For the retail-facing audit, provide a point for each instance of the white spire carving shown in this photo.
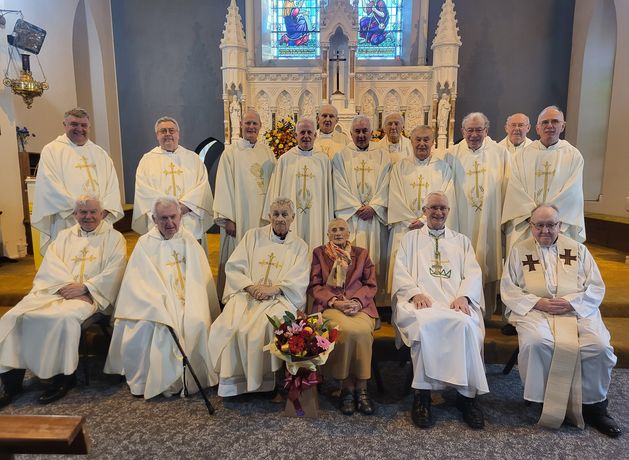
(447, 30)
(233, 34)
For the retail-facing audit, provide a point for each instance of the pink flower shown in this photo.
(323, 343)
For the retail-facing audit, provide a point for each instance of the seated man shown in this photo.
(80, 275)
(168, 282)
(552, 289)
(266, 275)
(343, 286)
(438, 310)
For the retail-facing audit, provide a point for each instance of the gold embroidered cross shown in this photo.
(171, 172)
(437, 269)
(306, 175)
(476, 172)
(362, 168)
(419, 184)
(83, 259)
(177, 261)
(269, 263)
(545, 173)
(85, 165)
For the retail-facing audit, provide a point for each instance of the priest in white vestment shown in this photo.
(517, 127)
(71, 166)
(481, 172)
(304, 175)
(412, 179)
(168, 282)
(438, 307)
(394, 143)
(361, 193)
(550, 279)
(330, 138)
(79, 276)
(170, 169)
(267, 275)
(550, 170)
(242, 180)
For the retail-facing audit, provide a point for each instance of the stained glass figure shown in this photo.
(380, 29)
(294, 26)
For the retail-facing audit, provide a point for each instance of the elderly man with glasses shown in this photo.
(553, 289)
(516, 127)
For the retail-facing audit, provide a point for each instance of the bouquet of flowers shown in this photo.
(282, 138)
(303, 342)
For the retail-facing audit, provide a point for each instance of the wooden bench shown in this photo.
(42, 434)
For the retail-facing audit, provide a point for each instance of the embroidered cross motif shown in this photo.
(83, 259)
(171, 171)
(180, 282)
(530, 262)
(546, 173)
(91, 181)
(269, 264)
(567, 257)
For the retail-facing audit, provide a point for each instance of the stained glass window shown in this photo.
(380, 29)
(294, 26)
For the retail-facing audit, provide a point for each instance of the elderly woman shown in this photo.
(343, 286)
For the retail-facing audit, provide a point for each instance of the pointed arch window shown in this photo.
(380, 29)
(294, 29)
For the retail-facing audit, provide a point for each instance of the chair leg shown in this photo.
(375, 369)
(511, 362)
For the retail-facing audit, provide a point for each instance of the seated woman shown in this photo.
(343, 286)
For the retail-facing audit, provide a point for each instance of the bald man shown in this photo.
(516, 127)
(329, 139)
(394, 143)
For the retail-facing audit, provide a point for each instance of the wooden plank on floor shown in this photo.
(42, 434)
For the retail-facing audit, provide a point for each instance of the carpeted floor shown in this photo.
(122, 426)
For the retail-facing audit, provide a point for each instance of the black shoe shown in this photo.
(472, 413)
(6, 397)
(421, 413)
(61, 386)
(348, 403)
(597, 416)
(364, 404)
(11, 385)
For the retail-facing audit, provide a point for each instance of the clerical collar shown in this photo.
(362, 150)
(437, 233)
(423, 162)
(245, 144)
(93, 232)
(276, 238)
(305, 153)
(395, 147)
(325, 135)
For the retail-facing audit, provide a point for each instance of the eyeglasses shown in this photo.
(438, 208)
(553, 122)
(518, 125)
(542, 225)
(167, 131)
(474, 130)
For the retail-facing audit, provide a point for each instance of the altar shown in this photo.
(362, 56)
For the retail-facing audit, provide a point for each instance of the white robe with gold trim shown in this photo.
(399, 151)
(42, 331)
(238, 335)
(167, 283)
(65, 172)
(513, 149)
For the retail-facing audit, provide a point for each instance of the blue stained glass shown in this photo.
(294, 27)
(380, 29)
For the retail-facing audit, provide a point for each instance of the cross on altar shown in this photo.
(362, 168)
(171, 172)
(338, 61)
(419, 184)
(545, 173)
(476, 172)
(83, 259)
(306, 175)
(177, 264)
(567, 257)
(84, 165)
(269, 263)
(530, 262)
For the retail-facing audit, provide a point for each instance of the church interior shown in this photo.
(129, 63)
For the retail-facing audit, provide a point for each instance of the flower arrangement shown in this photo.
(303, 342)
(282, 138)
(377, 134)
(22, 137)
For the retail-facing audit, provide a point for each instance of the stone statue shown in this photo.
(443, 114)
(234, 117)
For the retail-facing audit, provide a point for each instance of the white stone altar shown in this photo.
(280, 89)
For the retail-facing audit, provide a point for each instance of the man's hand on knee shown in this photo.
(421, 301)
(461, 304)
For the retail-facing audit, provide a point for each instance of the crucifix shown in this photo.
(362, 168)
(177, 264)
(83, 259)
(268, 264)
(84, 165)
(437, 269)
(306, 175)
(338, 60)
(530, 262)
(545, 173)
(567, 257)
(476, 172)
(419, 184)
(171, 172)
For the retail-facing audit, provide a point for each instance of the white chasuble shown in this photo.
(65, 172)
(167, 283)
(552, 175)
(446, 345)
(399, 151)
(362, 178)
(513, 149)
(411, 181)
(42, 331)
(181, 174)
(242, 179)
(532, 272)
(480, 183)
(305, 178)
(327, 144)
(241, 331)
